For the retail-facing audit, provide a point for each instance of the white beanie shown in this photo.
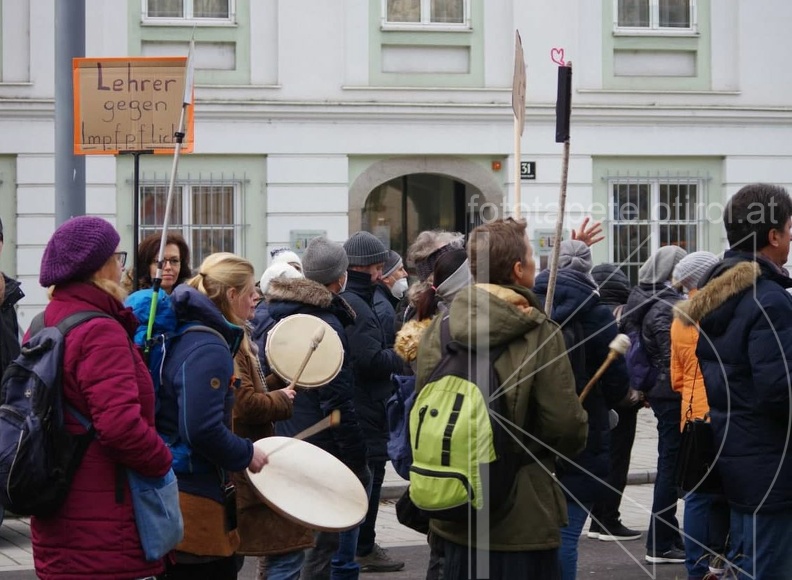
(277, 270)
(691, 268)
(286, 256)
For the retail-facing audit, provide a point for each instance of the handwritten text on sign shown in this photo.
(129, 104)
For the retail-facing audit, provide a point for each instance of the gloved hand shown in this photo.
(633, 398)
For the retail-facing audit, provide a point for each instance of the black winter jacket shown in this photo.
(289, 296)
(373, 363)
(650, 308)
(9, 326)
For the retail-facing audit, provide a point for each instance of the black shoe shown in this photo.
(672, 556)
(594, 530)
(618, 533)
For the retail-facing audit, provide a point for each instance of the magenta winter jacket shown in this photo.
(93, 535)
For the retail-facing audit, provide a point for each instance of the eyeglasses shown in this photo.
(121, 257)
(172, 261)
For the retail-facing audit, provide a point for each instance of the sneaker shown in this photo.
(618, 533)
(672, 556)
(594, 530)
(378, 561)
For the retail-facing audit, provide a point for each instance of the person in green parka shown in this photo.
(547, 420)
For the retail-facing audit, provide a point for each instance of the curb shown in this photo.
(393, 491)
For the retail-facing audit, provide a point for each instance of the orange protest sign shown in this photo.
(129, 104)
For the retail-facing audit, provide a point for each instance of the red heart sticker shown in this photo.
(557, 56)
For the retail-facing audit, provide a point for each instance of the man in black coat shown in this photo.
(10, 294)
(373, 362)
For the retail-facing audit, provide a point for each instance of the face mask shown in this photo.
(343, 286)
(399, 288)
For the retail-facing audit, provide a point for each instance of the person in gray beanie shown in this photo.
(324, 264)
(373, 360)
(388, 292)
(648, 316)
(692, 268)
(575, 255)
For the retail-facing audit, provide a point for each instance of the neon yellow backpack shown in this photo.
(462, 460)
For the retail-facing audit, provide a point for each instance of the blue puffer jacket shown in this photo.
(289, 296)
(584, 320)
(196, 396)
(261, 324)
(745, 352)
(373, 362)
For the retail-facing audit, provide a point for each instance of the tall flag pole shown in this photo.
(518, 105)
(563, 114)
(187, 101)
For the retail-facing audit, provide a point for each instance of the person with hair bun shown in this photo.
(94, 534)
(196, 400)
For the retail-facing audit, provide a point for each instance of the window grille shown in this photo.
(650, 211)
(207, 210)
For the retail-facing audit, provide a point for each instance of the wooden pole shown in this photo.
(517, 175)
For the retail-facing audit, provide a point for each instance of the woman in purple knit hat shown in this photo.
(93, 534)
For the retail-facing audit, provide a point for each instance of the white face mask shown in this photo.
(399, 288)
(343, 286)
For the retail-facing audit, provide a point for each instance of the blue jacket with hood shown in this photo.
(196, 396)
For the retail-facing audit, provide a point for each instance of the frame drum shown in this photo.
(290, 340)
(308, 485)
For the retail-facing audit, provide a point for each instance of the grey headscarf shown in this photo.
(660, 265)
(455, 282)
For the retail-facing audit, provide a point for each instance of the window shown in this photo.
(650, 213)
(435, 14)
(655, 16)
(206, 215)
(194, 11)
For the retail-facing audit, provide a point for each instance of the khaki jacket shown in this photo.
(537, 380)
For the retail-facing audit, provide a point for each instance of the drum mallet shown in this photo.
(317, 338)
(332, 420)
(618, 347)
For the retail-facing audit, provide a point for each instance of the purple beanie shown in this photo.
(77, 249)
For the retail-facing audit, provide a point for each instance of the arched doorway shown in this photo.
(398, 210)
(397, 198)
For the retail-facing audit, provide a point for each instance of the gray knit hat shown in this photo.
(365, 249)
(691, 268)
(393, 263)
(660, 265)
(575, 255)
(324, 261)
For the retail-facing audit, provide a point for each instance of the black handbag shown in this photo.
(411, 515)
(695, 468)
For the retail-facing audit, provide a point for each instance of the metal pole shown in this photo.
(69, 168)
(136, 222)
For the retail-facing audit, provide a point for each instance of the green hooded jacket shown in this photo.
(537, 381)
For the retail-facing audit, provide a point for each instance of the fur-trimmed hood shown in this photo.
(732, 282)
(304, 291)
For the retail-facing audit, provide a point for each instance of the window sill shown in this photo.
(656, 33)
(181, 22)
(425, 28)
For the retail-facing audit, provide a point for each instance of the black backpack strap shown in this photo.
(73, 320)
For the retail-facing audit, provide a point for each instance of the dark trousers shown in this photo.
(663, 527)
(606, 511)
(367, 533)
(461, 563)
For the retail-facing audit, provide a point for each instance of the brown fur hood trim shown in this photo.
(717, 291)
(409, 337)
(299, 290)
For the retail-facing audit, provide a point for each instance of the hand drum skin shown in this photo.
(293, 339)
(310, 486)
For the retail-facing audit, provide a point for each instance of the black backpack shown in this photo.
(38, 457)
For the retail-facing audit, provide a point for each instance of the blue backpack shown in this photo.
(643, 374)
(398, 410)
(167, 330)
(38, 456)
